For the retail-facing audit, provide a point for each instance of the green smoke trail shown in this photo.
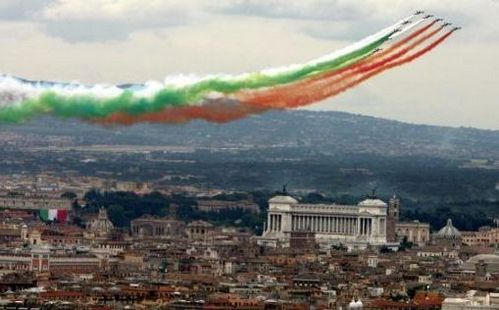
(88, 106)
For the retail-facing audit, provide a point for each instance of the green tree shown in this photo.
(117, 216)
(69, 195)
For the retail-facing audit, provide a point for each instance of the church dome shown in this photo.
(102, 224)
(448, 231)
(283, 199)
(370, 202)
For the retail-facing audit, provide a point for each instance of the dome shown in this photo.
(102, 224)
(448, 231)
(283, 200)
(370, 202)
(491, 260)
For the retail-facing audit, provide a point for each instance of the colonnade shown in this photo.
(275, 222)
(324, 224)
(346, 225)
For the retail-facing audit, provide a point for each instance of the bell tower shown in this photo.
(394, 208)
(392, 218)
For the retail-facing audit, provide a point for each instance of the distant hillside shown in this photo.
(324, 132)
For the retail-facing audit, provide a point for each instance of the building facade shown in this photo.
(21, 202)
(353, 225)
(416, 232)
(151, 227)
(484, 237)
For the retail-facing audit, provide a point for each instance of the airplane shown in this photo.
(439, 19)
(418, 12)
(456, 28)
(446, 24)
(428, 16)
(406, 22)
(377, 50)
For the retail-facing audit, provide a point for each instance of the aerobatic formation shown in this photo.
(222, 98)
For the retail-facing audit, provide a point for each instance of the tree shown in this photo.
(69, 195)
(117, 216)
(405, 244)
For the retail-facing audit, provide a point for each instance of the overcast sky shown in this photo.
(115, 41)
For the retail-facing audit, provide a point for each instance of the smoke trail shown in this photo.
(215, 113)
(293, 95)
(323, 91)
(180, 99)
(74, 100)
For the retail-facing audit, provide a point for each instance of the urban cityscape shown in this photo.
(61, 250)
(249, 155)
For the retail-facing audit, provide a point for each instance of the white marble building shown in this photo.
(355, 226)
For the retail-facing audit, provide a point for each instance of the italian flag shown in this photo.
(53, 214)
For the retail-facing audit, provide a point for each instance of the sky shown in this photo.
(119, 41)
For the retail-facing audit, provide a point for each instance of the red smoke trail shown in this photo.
(295, 94)
(217, 111)
(321, 92)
